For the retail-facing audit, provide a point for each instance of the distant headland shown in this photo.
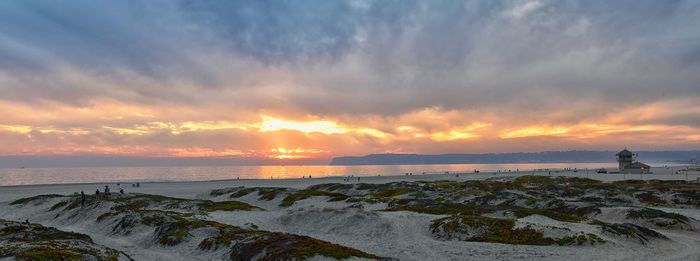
(576, 156)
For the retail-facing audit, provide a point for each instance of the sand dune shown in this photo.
(381, 217)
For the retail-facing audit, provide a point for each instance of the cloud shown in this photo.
(523, 9)
(437, 67)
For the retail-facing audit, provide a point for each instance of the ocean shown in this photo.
(35, 176)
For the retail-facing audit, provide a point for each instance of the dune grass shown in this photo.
(307, 193)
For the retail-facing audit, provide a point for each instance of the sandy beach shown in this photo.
(362, 225)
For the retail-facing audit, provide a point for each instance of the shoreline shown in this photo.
(656, 169)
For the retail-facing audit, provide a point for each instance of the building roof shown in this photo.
(624, 152)
(638, 165)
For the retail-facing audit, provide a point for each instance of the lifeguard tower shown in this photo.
(625, 158)
(628, 165)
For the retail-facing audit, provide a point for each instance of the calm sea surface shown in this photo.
(31, 176)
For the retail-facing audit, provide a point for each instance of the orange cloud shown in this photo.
(297, 153)
(535, 131)
(270, 124)
(16, 128)
(325, 127)
(108, 128)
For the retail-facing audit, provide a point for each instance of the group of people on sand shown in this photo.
(347, 179)
(107, 192)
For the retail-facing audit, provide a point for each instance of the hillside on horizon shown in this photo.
(516, 157)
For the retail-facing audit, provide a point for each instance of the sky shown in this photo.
(309, 80)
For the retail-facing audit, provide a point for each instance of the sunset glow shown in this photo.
(325, 127)
(272, 137)
(535, 131)
(196, 83)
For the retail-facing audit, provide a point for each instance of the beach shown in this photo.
(364, 225)
(193, 189)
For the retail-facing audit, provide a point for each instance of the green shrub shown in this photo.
(496, 230)
(648, 213)
(524, 212)
(307, 193)
(47, 254)
(211, 206)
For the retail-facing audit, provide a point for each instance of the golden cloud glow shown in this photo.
(128, 131)
(203, 152)
(209, 125)
(297, 153)
(108, 128)
(177, 128)
(405, 128)
(458, 134)
(371, 132)
(452, 135)
(534, 131)
(21, 129)
(16, 128)
(595, 131)
(270, 124)
(325, 127)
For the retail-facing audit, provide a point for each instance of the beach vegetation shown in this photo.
(307, 193)
(435, 207)
(332, 186)
(487, 229)
(632, 231)
(650, 213)
(390, 193)
(560, 216)
(580, 239)
(598, 222)
(38, 197)
(210, 206)
(48, 254)
(281, 246)
(223, 191)
(532, 181)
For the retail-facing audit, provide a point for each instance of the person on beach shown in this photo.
(97, 192)
(121, 189)
(83, 198)
(107, 190)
